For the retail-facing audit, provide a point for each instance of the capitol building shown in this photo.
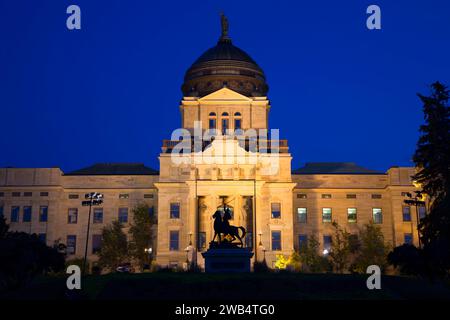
(224, 154)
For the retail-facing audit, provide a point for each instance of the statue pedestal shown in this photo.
(227, 260)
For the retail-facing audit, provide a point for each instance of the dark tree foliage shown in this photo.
(24, 256)
(408, 259)
(141, 233)
(432, 159)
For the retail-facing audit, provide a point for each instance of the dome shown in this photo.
(224, 65)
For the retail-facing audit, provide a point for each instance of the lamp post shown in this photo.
(187, 257)
(92, 199)
(260, 238)
(415, 201)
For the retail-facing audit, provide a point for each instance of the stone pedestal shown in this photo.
(227, 260)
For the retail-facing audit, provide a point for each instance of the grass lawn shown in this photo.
(253, 286)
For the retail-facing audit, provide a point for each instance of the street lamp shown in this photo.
(190, 238)
(260, 238)
(415, 201)
(92, 199)
(187, 257)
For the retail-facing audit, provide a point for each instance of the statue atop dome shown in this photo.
(225, 26)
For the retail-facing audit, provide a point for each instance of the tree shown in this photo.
(311, 260)
(114, 250)
(341, 249)
(432, 158)
(141, 234)
(372, 249)
(24, 256)
(408, 259)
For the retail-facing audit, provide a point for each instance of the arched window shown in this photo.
(212, 120)
(225, 122)
(237, 121)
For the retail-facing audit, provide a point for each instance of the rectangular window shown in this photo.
(73, 196)
(16, 194)
(301, 196)
(43, 213)
(202, 240)
(148, 196)
(151, 212)
(351, 215)
(249, 240)
(327, 244)
(42, 237)
(212, 123)
(406, 213)
(302, 242)
(2, 194)
(26, 214)
(276, 210)
(326, 215)
(422, 212)
(326, 196)
(376, 196)
(44, 194)
(71, 244)
(377, 215)
(237, 124)
(175, 210)
(98, 215)
(72, 216)
(351, 196)
(1, 212)
(302, 215)
(15, 214)
(124, 196)
(276, 240)
(174, 244)
(123, 215)
(96, 243)
(28, 194)
(408, 238)
(224, 126)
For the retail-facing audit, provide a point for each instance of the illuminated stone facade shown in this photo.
(224, 89)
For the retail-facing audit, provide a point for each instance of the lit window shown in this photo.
(276, 210)
(26, 214)
(302, 215)
(15, 214)
(422, 212)
(72, 216)
(98, 215)
(96, 243)
(174, 241)
(43, 214)
(175, 210)
(351, 215)
(301, 196)
(408, 238)
(123, 215)
(202, 240)
(377, 215)
(406, 213)
(276, 240)
(71, 244)
(302, 242)
(327, 240)
(326, 214)
(124, 196)
(326, 196)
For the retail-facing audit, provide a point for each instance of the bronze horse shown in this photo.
(222, 226)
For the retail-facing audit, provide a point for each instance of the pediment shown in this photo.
(225, 94)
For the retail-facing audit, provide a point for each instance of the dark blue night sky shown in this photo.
(110, 92)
